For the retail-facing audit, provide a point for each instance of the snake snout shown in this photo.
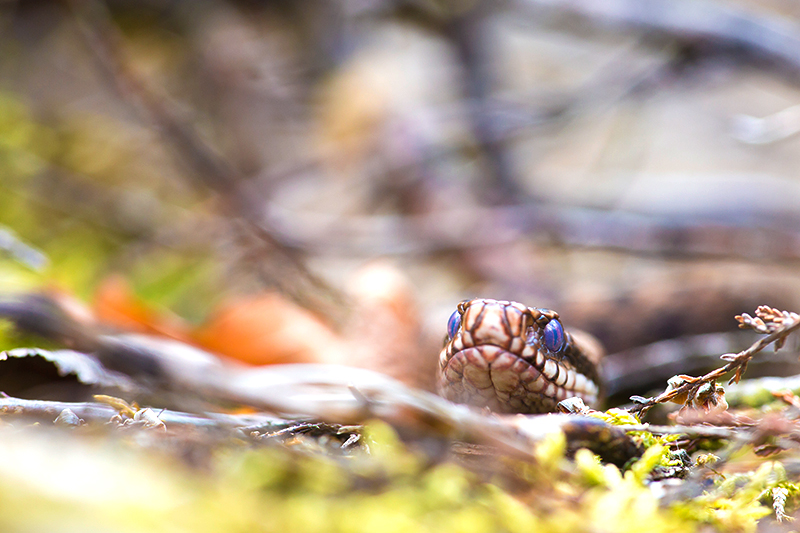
(492, 331)
(494, 322)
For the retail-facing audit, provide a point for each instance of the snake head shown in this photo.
(512, 358)
(506, 324)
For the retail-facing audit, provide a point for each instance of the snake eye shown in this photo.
(453, 324)
(554, 336)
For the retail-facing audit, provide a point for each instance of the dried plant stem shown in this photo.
(737, 363)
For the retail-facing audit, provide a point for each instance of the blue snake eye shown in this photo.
(453, 324)
(554, 336)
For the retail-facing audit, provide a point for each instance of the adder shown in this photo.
(512, 358)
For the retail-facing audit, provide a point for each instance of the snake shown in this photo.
(511, 358)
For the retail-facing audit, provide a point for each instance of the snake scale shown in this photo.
(512, 358)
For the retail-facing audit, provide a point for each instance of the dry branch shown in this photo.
(210, 169)
(779, 324)
(772, 38)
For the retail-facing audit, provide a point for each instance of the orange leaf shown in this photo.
(267, 329)
(116, 304)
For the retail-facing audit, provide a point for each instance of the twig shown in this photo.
(645, 366)
(102, 412)
(575, 226)
(106, 44)
(475, 226)
(713, 432)
(471, 39)
(20, 251)
(779, 323)
(765, 37)
(212, 170)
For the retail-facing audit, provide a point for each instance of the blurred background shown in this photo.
(324, 180)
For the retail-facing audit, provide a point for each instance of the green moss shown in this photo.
(737, 502)
(389, 488)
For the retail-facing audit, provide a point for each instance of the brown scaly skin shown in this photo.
(498, 359)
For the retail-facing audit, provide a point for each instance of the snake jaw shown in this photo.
(497, 359)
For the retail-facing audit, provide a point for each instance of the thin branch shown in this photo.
(762, 36)
(106, 44)
(470, 37)
(573, 225)
(21, 251)
(210, 168)
(781, 324)
(476, 226)
(698, 431)
(102, 413)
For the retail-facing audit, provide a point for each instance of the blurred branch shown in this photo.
(21, 251)
(333, 393)
(767, 130)
(105, 41)
(210, 169)
(697, 431)
(765, 37)
(468, 33)
(474, 226)
(638, 368)
(102, 413)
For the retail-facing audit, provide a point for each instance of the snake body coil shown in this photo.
(515, 359)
